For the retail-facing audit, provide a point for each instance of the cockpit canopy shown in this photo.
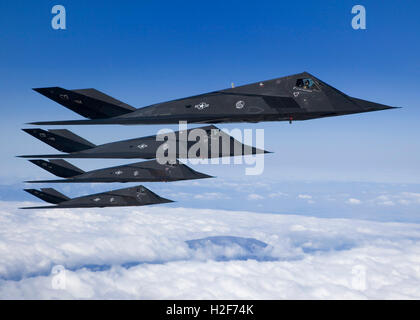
(306, 83)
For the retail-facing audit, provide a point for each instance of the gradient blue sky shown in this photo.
(147, 52)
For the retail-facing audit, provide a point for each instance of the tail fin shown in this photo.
(61, 139)
(89, 103)
(58, 167)
(49, 195)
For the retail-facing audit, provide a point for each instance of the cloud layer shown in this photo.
(142, 253)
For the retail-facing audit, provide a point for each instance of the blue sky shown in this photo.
(144, 52)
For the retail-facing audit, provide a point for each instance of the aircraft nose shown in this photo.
(372, 106)
(378, 107)
(204, 176)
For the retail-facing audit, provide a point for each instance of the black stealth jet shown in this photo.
(297, 97)
(146, 171)
(219, 144)
(134, 196)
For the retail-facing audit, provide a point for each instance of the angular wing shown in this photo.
(89, 103)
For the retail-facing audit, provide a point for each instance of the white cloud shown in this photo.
(254, 196)
(404, 198)
(387, 203)
(210, 196)
(277, 195)
(304, 196)
(384, 200)
(404, 202)
(353, 201)
(409, 198)
(315, 257)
